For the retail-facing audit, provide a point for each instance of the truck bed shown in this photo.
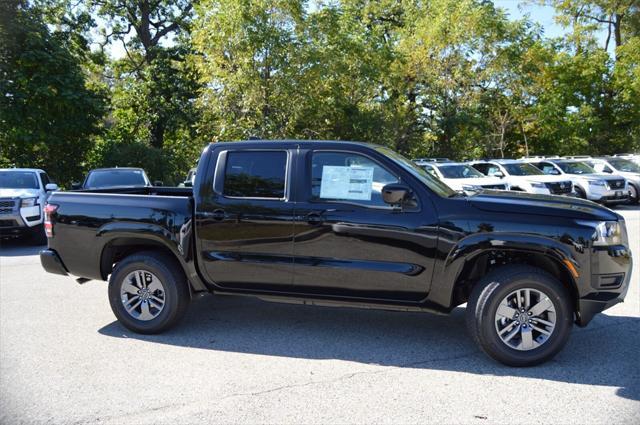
(88, 222)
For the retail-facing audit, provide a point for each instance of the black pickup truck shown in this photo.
(346, 224)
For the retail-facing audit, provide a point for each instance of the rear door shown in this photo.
(245, 220)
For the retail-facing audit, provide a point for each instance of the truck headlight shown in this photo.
(538, 185)
(597, 183)
(608, 233)
(28, 202)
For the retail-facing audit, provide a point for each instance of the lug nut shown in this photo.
(529, 313)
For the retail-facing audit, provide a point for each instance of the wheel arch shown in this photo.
(123, 246)
(480, 254)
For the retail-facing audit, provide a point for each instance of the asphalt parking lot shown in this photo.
(64, 359)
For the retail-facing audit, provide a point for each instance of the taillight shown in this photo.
(49, 209)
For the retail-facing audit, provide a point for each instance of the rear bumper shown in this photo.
(611, 269)
(52, 263)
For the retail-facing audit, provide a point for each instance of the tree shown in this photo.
(49, 112)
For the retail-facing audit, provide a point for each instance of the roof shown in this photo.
(117, 169)
(499, 161)
(291, 141)
(35, 170)
(446, 164)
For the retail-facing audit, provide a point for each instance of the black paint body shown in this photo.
(422, 258)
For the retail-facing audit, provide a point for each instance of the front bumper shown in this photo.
(611, 270)
(52, 263)
(608, 196)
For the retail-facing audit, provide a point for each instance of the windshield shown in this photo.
(624, 165)
(575, 168)
(460, 172)
(18, 180)
(110, 178)
(432, 183)
(522, 169)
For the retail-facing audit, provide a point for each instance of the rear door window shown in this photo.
(255, 174)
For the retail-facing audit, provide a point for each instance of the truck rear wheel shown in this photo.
(520, 315)
(148, 292)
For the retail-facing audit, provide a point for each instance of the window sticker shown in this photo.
(349, 183)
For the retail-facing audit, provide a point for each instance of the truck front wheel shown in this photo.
(148, 292)
(520, 315)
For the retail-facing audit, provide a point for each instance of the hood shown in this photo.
(548, 205)
(629, 175)
(458, 184)
(594, 176)
(22, 193)
(547, 178)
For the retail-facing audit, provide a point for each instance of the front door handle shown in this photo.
(314, 218)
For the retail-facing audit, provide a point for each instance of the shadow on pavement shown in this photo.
(19, 247)
(605, 353)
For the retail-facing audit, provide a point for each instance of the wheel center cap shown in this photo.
(523, 318)
(144, 294)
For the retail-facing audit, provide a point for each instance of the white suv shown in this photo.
(23, 194)
(589, 184)
(462, 176)
(524, 177)
(624, 167)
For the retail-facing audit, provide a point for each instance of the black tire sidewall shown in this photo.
(169, 282)
(636, 200)
(488, 335)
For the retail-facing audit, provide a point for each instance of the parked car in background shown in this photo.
(460, 176)
(422, 160)
(347, 224)
(101, 178)
(191, 177)
(622, 167)
(23, 194)
(524, 177)
(588, 183)
(633, 157)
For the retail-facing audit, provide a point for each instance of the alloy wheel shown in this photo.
(143, 295)
(525, 319)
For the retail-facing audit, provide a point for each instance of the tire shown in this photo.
(483, 320)
(634, 199)
(580, 193)
(162, 277)
(37, 235)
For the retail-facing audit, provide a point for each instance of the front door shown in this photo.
(349, 243)
(245, 225)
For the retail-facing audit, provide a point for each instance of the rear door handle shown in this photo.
(314, 218)
(216, 214)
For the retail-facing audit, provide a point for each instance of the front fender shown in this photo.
(469, 248)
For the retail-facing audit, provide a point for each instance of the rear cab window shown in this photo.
(259, 174)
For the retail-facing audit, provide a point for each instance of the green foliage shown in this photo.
(48, 111)
(452, 78)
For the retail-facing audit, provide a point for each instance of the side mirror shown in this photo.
(158, 183)
(396, 194)
(51, 187)
(76, 186)
(499, 174)
(188, 183)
